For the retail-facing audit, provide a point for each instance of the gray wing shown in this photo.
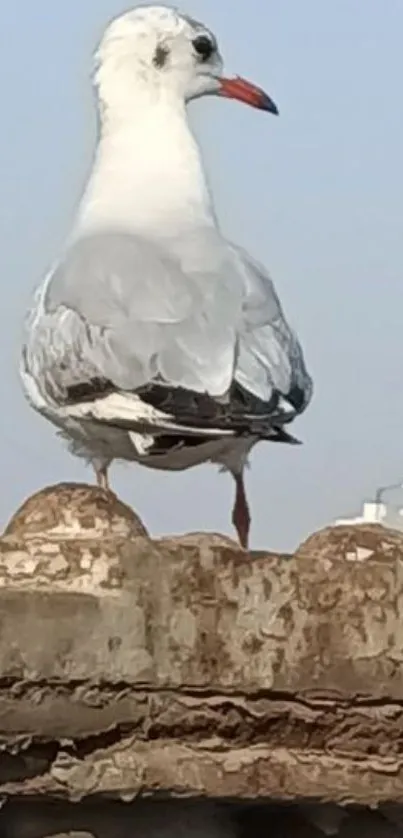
(270, 359)
(270, 384)
(119, 308)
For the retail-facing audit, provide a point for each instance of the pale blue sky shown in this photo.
(317, 194)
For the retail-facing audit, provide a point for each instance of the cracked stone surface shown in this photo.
(354, 544)
(71, 510)
(185, 667)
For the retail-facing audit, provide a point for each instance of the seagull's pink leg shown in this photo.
(101, 472)
(240, 513)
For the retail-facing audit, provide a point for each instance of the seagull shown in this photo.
(153, 338)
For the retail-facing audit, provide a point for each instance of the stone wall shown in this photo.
(135, 672)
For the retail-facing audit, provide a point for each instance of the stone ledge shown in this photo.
(184, 666)
(130, 769)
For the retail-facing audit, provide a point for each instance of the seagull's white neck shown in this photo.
(147, 175)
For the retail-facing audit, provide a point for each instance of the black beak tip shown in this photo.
(267, 104)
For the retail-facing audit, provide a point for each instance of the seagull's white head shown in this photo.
(160, 52)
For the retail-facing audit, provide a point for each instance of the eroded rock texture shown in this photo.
(133, 666)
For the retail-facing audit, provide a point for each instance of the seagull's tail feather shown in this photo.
(284, 436)
(128, 411)
(176, 412)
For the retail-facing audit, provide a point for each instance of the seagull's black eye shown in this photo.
(204, 47)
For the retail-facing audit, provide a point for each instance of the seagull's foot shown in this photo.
(240, 514)
(101, 473)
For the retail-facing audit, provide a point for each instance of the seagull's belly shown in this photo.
(184, 456)
(94, 441)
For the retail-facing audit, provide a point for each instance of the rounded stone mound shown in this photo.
(356, 542)
(74, 510)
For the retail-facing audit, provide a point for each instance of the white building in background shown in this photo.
(372, 513)
(386, 509)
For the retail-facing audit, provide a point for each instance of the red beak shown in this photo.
(244, 91)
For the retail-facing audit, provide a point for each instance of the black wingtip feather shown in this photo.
(244, 414)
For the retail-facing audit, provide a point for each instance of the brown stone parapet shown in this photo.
(184, 666)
